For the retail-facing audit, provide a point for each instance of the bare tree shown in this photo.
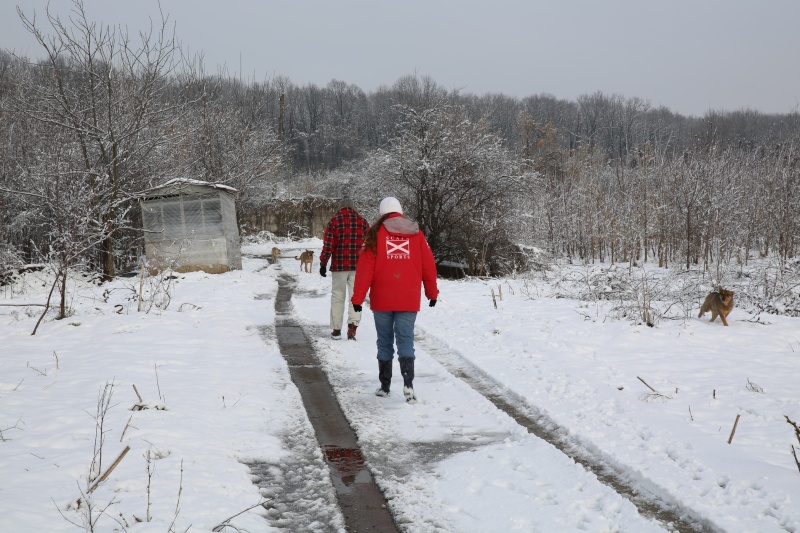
(108, 94)
(232, 146)
(457, 181)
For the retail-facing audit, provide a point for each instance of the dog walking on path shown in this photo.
(306, 259)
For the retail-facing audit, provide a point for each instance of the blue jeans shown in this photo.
(391, 326)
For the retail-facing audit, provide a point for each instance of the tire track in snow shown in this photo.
(669, 513)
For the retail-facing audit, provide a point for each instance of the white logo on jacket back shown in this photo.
(398, 248)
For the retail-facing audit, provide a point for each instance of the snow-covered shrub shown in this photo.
(771, 287)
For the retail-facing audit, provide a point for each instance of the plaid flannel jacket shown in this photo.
(343, 239)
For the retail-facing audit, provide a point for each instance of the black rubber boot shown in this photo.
(385, 377)
(407, 370)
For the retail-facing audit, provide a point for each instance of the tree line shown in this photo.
(106, 114)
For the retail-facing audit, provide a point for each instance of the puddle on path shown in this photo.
(347, 467)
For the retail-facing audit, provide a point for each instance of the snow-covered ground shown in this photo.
(216, 395)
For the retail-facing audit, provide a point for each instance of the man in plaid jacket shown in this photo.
(342, 243)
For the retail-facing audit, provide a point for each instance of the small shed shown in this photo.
(190, 225)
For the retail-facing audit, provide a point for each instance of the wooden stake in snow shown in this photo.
(126, 428)
(735, 423)
(648, 386)
(494, 299)
(110, 468)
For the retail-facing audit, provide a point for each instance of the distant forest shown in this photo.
(104, 115)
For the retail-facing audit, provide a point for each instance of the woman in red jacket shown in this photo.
(394, 264)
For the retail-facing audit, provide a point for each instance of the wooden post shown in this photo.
(126, 428)
(648, 386)
(110, 468)
(735, 423)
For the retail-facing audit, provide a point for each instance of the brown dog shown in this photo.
(719, 302)
(306, 259)
(275, 253)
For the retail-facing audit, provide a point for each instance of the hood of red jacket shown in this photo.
(400, 225)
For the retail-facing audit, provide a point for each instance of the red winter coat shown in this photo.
(396, 273)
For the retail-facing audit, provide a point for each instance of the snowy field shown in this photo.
(655, 403)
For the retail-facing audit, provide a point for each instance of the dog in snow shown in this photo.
(719, 302)
(306, 259)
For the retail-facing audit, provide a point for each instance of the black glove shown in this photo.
(431, 303)
(322, 270)
(357, 308)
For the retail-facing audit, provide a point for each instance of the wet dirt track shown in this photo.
(362, 503)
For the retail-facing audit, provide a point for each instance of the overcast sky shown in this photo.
(688, 55)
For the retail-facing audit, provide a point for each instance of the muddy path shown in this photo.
(362, 504)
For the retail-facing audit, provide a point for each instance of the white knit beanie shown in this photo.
(390, 205)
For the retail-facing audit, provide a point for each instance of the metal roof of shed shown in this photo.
(178, 186)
